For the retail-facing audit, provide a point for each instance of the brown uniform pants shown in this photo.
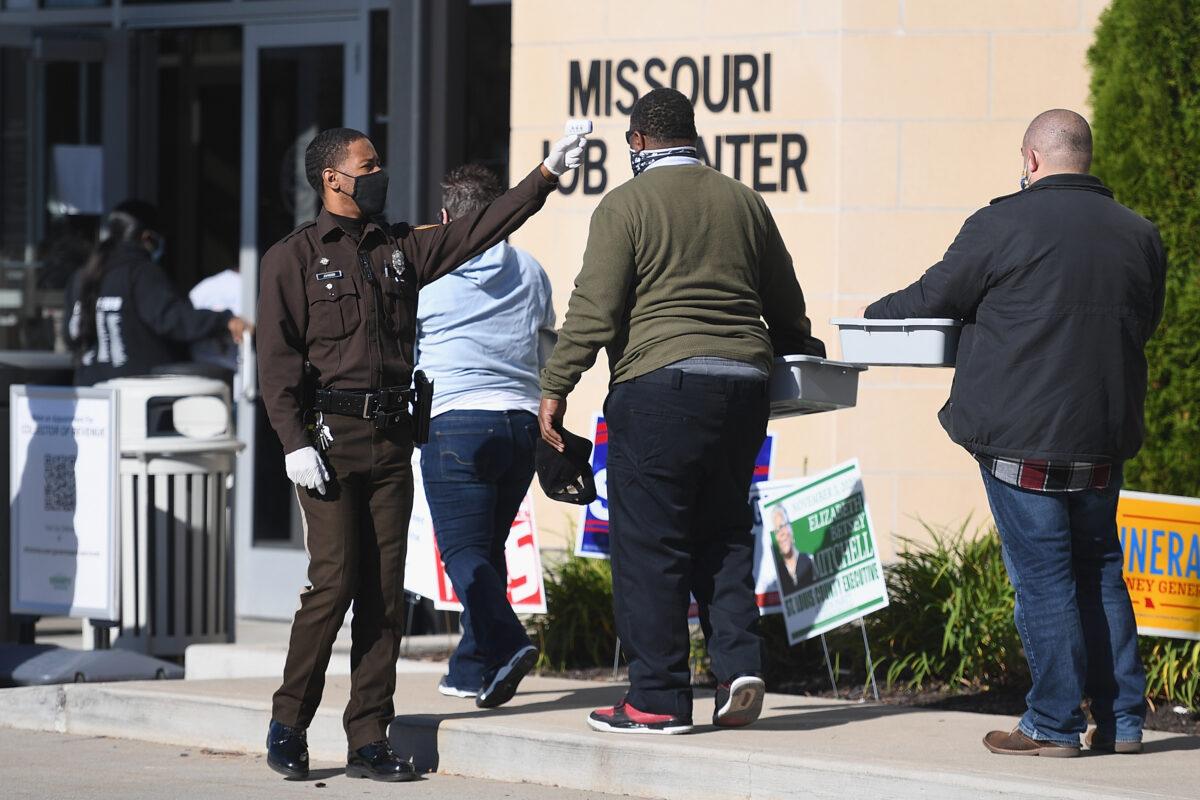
(356, 535)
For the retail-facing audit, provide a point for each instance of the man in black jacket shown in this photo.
(1059, 287)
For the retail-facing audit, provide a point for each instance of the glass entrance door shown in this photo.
(297, 80)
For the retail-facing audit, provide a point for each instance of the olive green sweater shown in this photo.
(681, 261)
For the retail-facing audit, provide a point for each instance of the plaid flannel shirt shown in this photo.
(1048, 476)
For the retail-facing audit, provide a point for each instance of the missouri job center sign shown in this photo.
(1160, 536)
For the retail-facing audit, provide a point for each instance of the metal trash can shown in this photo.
(177, 456)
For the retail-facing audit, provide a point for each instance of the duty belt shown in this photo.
(383, 405)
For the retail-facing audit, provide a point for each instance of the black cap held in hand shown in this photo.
(566, 477)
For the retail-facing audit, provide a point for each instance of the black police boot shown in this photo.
(378, 762)
(287, 751)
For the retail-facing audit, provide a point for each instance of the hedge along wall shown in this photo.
(1145, 94)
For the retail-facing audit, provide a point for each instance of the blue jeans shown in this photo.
(1073, 611)
(477, 468)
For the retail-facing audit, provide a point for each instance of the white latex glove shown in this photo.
(565, 154)
(306, 468)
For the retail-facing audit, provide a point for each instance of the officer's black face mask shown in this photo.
(370, 192)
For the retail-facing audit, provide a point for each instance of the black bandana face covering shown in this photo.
(639, 161)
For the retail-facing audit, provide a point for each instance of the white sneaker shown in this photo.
(445, 688)
(739, 702)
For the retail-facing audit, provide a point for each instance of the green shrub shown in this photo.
(1145, 96)
(950, 615)
(1172, 670)
(577, 631)
(949, 624)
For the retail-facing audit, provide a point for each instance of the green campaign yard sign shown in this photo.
(825, 553)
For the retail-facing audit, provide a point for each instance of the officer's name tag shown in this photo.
(326, 276)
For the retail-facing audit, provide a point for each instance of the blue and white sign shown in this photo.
(592, 541)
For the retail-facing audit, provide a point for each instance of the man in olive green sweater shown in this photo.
(682, 266)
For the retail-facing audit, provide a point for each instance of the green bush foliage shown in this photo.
(949, 624)
(950, 618)
(1145, 96)
(577, 631)
(1172, 670)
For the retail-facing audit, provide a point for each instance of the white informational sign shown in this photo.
(825, 553)
(425, 575)
(63, 488)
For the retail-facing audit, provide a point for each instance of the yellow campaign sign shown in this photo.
(1160, 535)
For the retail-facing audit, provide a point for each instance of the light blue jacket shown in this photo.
(478, 330)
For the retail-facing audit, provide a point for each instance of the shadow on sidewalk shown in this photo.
(1175, 743)
(416, 735)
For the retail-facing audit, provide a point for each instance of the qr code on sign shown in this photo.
(60, 483)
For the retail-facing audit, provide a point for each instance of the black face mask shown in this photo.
(370, 192)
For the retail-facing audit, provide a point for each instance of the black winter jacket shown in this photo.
(139, 319)
(1059, 287)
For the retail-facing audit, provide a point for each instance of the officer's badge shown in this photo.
(398, 264)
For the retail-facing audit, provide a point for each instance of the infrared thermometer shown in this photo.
(578, 127)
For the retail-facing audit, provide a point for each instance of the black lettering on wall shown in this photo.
(744, 83)
(595, 175)
(766, 81)
(626, 65)
(726, 76)
(762, 162)
(680, 65)
(736, 141)
(592, 175)
(793, 164)
(608, 87)
(584, 95)
(661, 66)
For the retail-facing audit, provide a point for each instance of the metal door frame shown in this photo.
(269, 578)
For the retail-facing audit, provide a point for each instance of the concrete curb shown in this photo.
(500, 748)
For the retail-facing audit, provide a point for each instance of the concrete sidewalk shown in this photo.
(803, 746)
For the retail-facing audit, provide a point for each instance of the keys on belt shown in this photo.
(388, 405)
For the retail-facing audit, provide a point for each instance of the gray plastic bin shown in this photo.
(899, 342)
(810, 385)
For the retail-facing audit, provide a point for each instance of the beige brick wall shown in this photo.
(912, 111)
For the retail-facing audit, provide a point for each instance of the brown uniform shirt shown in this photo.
(349, 308)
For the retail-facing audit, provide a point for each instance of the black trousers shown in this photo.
(356, 535)
(681, 456)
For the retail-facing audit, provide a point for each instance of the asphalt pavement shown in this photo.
(53, 766)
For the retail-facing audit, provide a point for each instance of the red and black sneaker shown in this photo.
(624, 718)
(739, 702)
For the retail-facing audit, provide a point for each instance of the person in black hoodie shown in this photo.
(123, 314)
(1059, 288)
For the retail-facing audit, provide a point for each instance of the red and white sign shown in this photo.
(525, 591)
(425, 574)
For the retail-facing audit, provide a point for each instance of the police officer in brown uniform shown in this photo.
(336, 316)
